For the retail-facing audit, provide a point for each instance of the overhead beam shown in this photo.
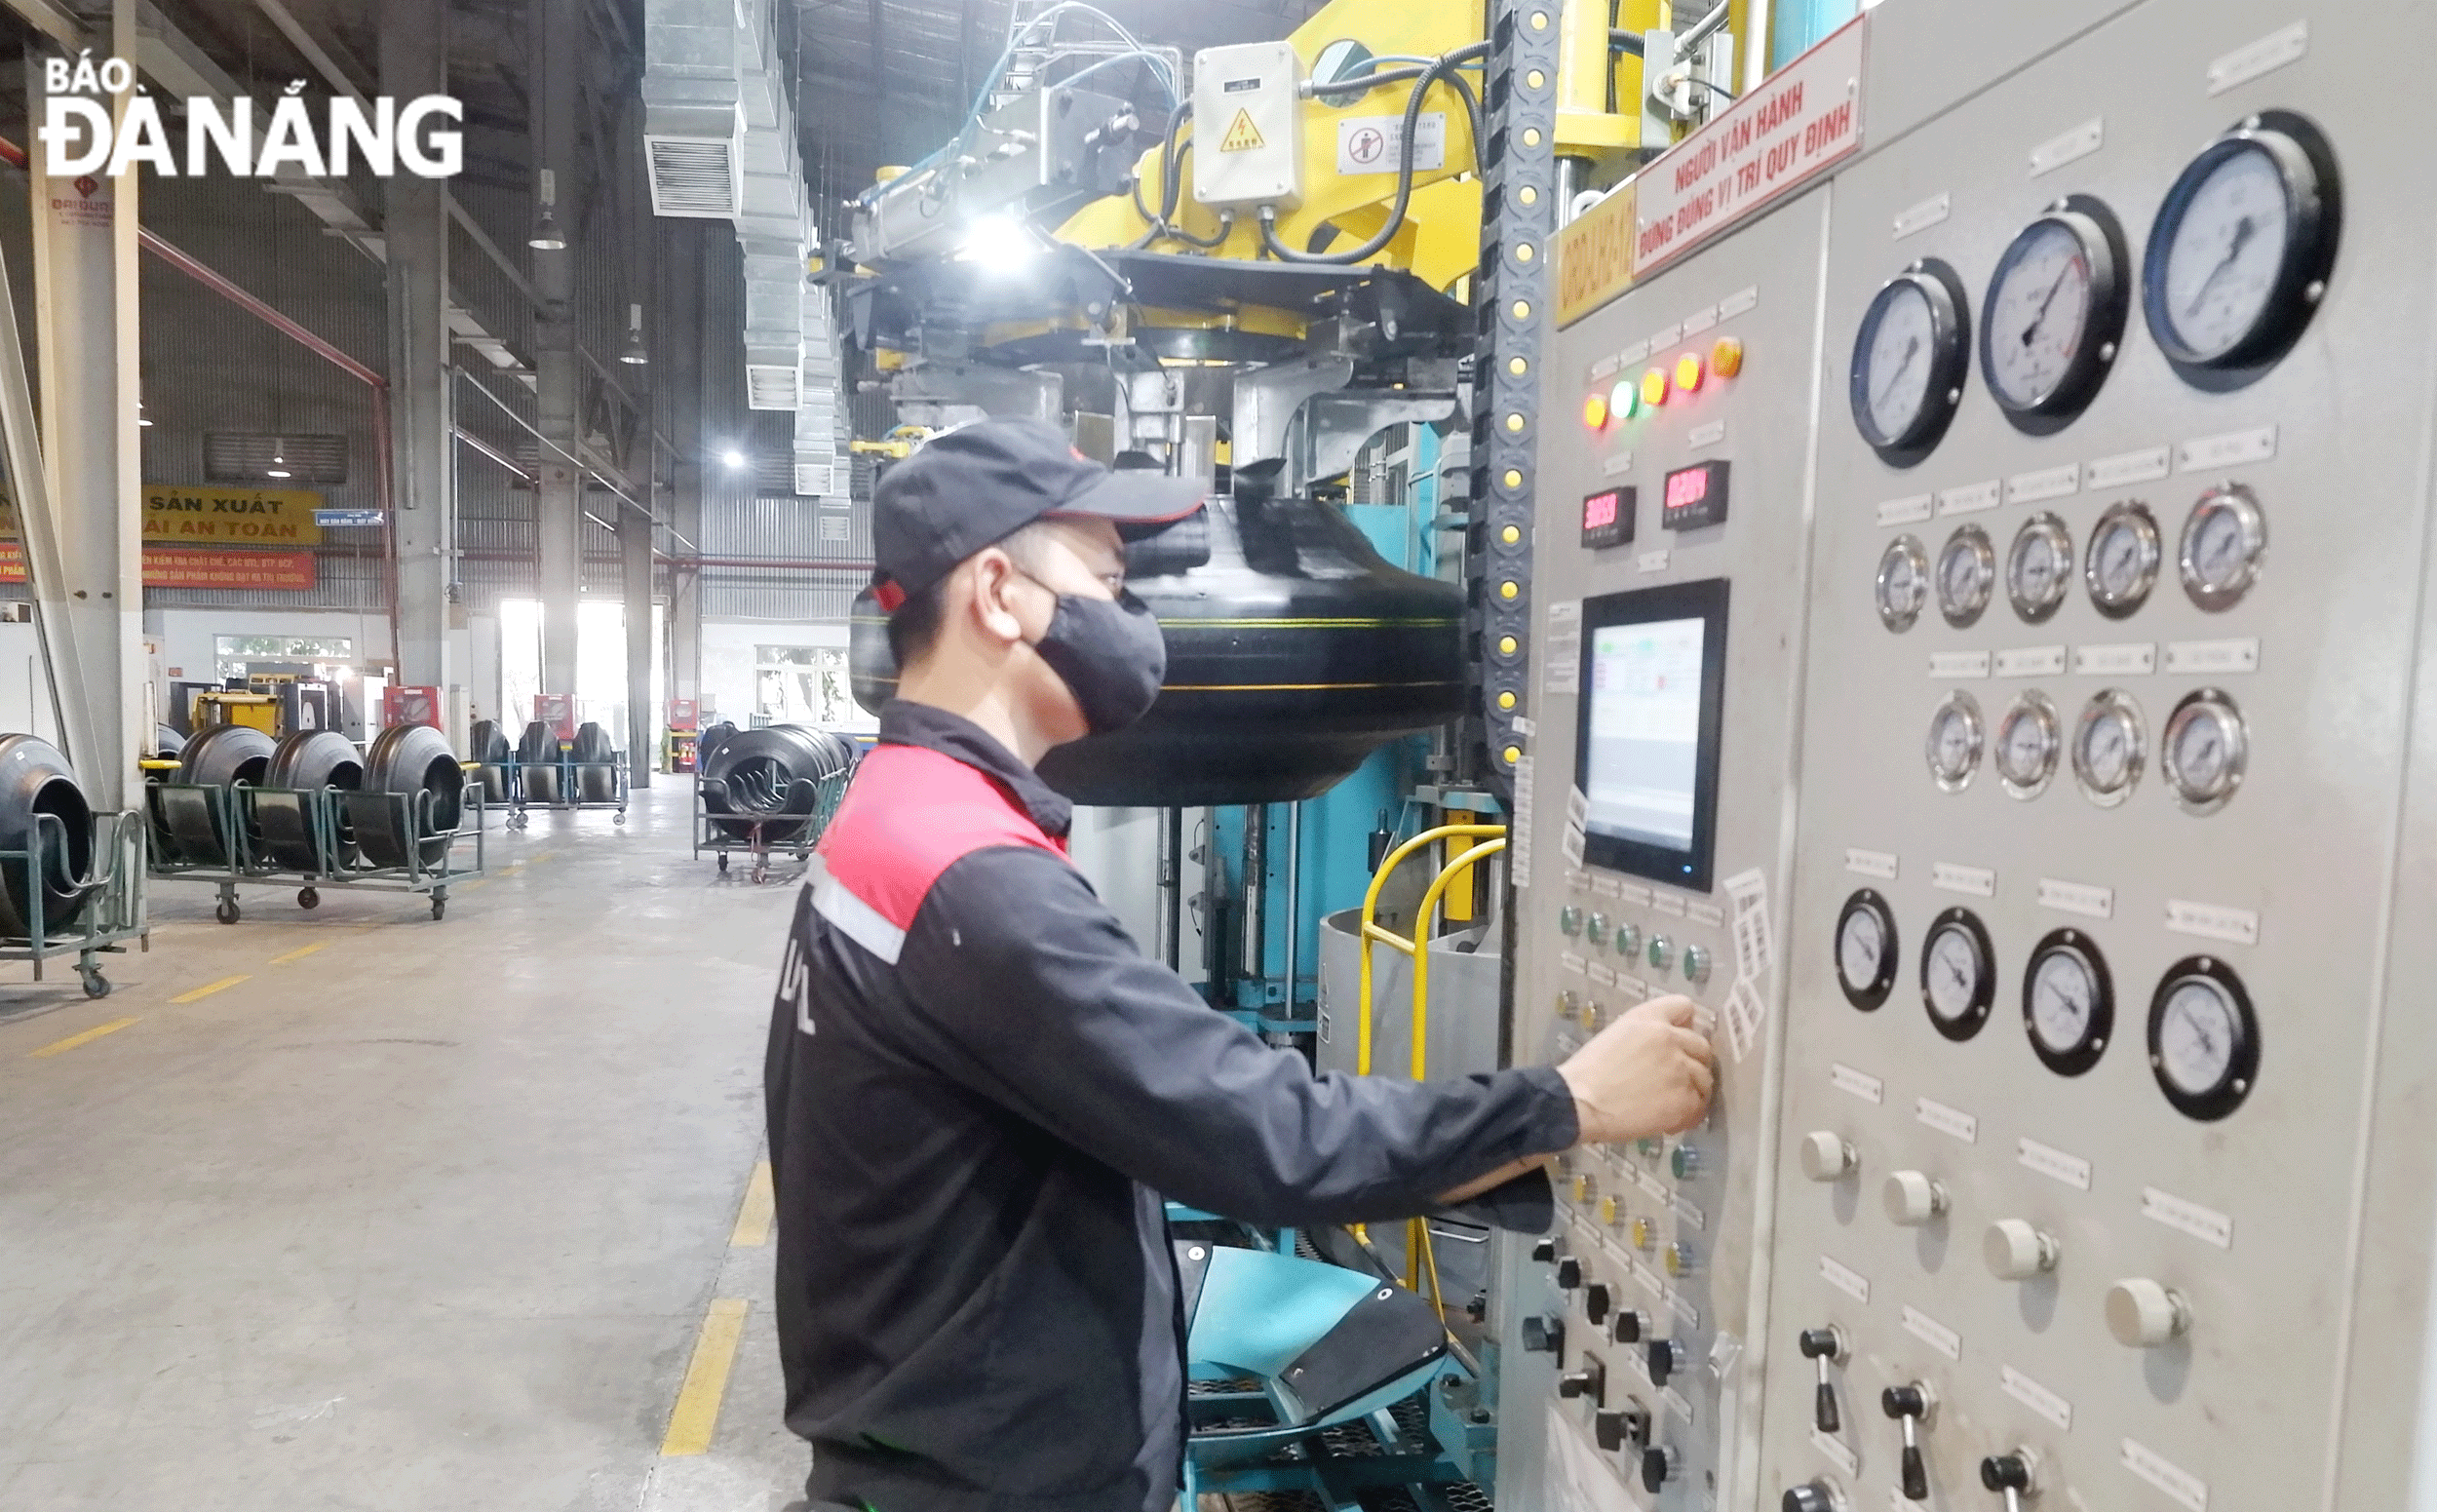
(331, 60)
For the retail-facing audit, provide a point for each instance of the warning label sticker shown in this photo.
(1374, 143)
(1242, 134)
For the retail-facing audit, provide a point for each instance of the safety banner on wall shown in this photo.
(287, 571)
(196, 513)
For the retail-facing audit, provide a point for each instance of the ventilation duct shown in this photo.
(693, 122)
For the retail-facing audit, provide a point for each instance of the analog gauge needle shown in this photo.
(2244, 229)
(2121, 558)
(1956, 972)
(1912, 349)
(2031, 331)
(2204, 760)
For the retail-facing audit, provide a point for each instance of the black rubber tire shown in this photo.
(36, 779)
(225, 753)
(308, 898)
(755, 775)
(595, 783)
(96, 984)
(537, 744)
(490, 743)
(228, 912)
(307, 761)
(723, 861)
(439, 908)
(410, 759)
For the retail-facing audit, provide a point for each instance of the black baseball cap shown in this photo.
(978, 484)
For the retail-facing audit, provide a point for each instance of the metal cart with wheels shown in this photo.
(323, 832)
(115, 902)
(724, 831)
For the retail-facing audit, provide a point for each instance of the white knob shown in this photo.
(1827, 1157)
(2143, 1314)
(2016, 1251)
(1913, 1199)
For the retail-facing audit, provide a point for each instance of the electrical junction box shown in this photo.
(1248, 126)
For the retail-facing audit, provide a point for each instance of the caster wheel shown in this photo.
(762, 874)
(723, 861)
(439, 908)
(621, 819)
(226, 912)
(308, 898)
(96, 984)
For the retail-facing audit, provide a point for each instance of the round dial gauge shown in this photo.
(2030, 739)
(2054, 315)
(1909, 361)
(1958, 974)
(2223, 539)
(2204, 1040)
(1866, 949)
(2039, 566)
(1955, 736)
(2121, 564)
(1967, 574)
(2110, 743)
(2203, 750)
(2239, 255)
(1902, 585)
(2068, 1002)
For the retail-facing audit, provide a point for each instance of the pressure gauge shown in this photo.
(2068, 1002)
(2204, 1040)
(1908, 362)
(2223, 539)
(2109, 744)
(2039, 567)
(2203, 750)
(1967, 574)
(2121, 565)
(2239, 255)
(1866, 949)
(2030, 739)
(1902, 585)
(1955, 735)
(2054, 315)
(1958, 974)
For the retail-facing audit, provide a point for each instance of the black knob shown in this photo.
(1543, 1334)
(1915, 1474)
(1666, 1357)
(1908, 1404)
(1595, 1303)
(1589, 1382)
(1629, 1326)
(1568, 1273)
(1545, 1251)
(1903, 1402)
(1622, 1426)
(1658, 1466)
(1824, 1415)
(1820, 1344)
(2005, 1472)
(1478, 1310)
(1810, 1497)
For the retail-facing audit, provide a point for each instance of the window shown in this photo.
(273, 461)
(237, 653)
(804, 684)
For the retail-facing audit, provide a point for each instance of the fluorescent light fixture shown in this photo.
(546, 237)
(634, 355)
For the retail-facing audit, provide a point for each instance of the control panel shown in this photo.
(2015, 644)
(1670, 611)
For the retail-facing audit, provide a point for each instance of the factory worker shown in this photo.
(979, 1091)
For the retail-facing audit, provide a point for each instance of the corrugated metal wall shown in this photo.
(789, 530)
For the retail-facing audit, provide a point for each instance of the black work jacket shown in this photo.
(979, 1093)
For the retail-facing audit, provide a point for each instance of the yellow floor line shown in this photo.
(299, 954)
(753, 1220)
(696, 1416)
(60, 1046)
(221, 986)
(479, 881)
(536, 860)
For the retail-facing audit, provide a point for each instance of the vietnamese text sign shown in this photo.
(1807, 116)
(254, 517)
(1595, 256)
(288, 572)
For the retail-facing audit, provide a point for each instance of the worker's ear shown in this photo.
(994, 578)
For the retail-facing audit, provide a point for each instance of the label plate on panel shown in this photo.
(1863, 1085)
(1845, 1278)
(1947, 1120)
(2049, 1161)
(2030, 661)
(1970, 498)
(1912, 509)
(2205, 656)
(1958, 664)
(2230, 449)
(2082, 898)
(2212, 922)
(2147, 465)
(1950, 876)
(1870, 863)
(2203, 1223)
(2167, 1476)
(2138, 657)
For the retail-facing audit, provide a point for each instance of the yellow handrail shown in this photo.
(1427, 915)
(1371, 931)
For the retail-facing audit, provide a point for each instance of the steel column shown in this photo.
(558, 51)
(413, 44)
(678, 388)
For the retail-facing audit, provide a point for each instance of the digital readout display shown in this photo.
(1696, 496)
(1606, 517)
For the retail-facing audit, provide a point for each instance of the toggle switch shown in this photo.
(1913, 1200)
(1544, 1334)
(1820, 1495)
(1910, 1406)
(1595, 1302)
(1828, 1157)
(1616, 1427)
(1824, 1347)
(1631, 1324)
(2141, 1314)
(1568, 1273)
(2015, 1251)
(1666, 1357)
(2011, 1474)
(1659, 1464)
(1590, 1382)
(1545, 1251)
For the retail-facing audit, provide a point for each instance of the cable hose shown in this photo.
(1444, 67)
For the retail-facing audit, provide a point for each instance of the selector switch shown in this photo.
(2141, 1314)
(2015, 1251)
(1595, 1303)
(1545, 1251)
(2010, 1474)
(1824, 1347)
(1913, 1199)
(1590, 1382)
(1659, 1464)
(1666, 1357)
(1827, 1157)
(1543, 1334)
(1696, 964)
(1631, 1324)
(1568, 1273)
(1617, 1427)
(1910, 1406)
(1820, 1495)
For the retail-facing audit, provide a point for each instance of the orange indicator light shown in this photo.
(1726, 357)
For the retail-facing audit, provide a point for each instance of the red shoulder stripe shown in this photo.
(909, 814)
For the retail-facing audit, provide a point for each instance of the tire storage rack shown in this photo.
(71, 881)
(545, 772)
(767, 792)
(308, 810)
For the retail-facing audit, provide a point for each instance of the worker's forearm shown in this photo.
(1492, 1182)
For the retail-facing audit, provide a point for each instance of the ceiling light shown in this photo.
(635, 353)
(732, 457)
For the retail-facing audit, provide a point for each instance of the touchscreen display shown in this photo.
(1641, 775)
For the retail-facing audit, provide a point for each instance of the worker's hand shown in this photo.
(1649, 1072)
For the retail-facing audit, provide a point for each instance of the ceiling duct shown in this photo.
(692, 116)
(817, 473)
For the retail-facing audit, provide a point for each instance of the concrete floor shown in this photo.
(409, 1215)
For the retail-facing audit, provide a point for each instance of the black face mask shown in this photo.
(1110, 655)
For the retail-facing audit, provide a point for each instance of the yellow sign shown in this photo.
(1595, 256)
(248, 516)
(1242, 134)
